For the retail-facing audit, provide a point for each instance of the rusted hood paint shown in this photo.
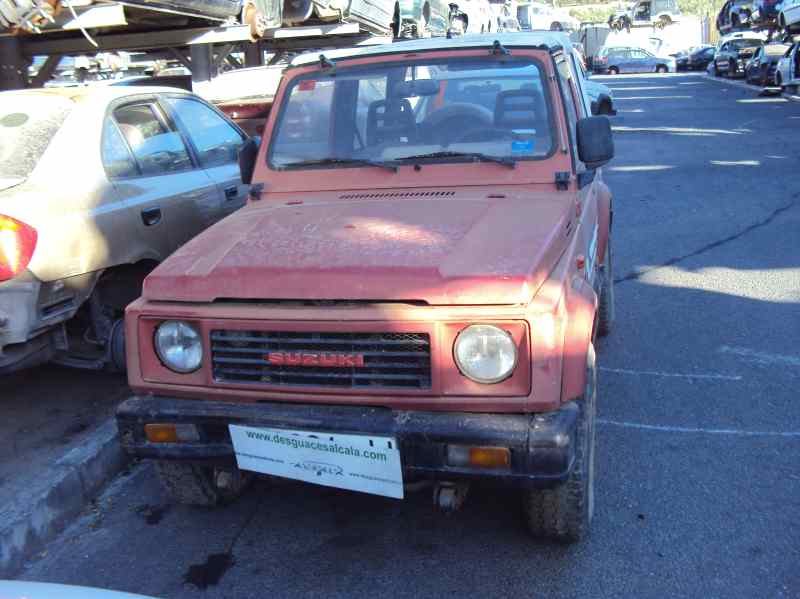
(464, 248)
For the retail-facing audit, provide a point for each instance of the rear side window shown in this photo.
(215, 140)
(571, 109)
(156, 148)
(117, 158)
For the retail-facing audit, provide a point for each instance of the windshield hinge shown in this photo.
(324, 63)
(256, 189)
(499, 50)
(562, 180)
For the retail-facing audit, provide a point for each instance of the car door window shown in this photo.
(117, 158)
(156, 148)
(216, 141)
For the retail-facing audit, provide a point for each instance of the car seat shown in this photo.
(521, 109)
(391, 121)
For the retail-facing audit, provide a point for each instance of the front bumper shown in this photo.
(541, 445)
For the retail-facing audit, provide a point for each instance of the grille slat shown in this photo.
(367, 365)
(306, 340)
(366, 354)
(385, 360)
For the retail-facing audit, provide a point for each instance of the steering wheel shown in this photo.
(483, 134)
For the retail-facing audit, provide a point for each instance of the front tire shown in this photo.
(613, 71)
(605, 308)
(190, 484)
(662, 69)
(565, 512)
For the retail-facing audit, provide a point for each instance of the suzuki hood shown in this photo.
(485, 248)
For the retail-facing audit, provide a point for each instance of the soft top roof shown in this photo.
(526, 39)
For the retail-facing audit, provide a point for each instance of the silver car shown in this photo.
(97, 186)
(616, 60)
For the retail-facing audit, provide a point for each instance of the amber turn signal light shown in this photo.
(171, 433)
(480, 457)
(161, 433)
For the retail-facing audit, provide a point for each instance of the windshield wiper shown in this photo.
(476, 156)
(341, 162)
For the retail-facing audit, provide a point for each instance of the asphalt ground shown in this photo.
(699, 441)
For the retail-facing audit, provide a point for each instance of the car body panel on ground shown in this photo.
(142, 184)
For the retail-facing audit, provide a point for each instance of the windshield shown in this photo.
(27, 124)
(776, 49)
(739, 44)
(388, 112)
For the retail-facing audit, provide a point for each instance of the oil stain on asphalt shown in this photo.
(152, 513)
(211, 572)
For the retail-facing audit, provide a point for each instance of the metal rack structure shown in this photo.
(201, 50)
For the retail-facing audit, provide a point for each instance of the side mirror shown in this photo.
(247, 159)
(595, 144)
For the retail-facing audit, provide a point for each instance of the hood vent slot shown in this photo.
(397, 194)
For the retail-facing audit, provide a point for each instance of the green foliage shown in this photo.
(592, 14)
(590, 10)
(701, 8)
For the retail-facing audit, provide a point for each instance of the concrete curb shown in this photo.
(744, 85)
(71, 483)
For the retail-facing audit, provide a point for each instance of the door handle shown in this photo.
(231, 193)
(151, 216)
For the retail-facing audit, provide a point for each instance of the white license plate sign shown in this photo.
(354, 462)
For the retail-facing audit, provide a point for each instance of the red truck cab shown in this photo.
(411, 294)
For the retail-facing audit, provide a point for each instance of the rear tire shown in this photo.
(662, 69)
(605, 309)
(565, 512)
(613, 71)
(190, 484)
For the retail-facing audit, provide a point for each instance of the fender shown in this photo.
(581, 310)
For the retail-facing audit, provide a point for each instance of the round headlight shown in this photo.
(179, 346)
(485, 353)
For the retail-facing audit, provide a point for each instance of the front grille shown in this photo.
(390, 360)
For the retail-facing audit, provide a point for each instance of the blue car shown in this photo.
(616, 60)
